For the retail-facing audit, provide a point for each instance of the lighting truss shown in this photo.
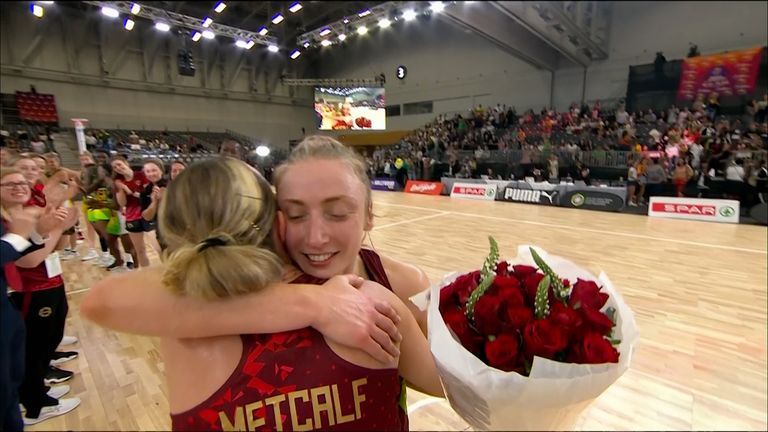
(384, 10)
(370, 82)
(175, 19)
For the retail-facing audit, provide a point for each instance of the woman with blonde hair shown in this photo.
(38, 293)
(224, 250)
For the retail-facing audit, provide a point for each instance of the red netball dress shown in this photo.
(294, 381)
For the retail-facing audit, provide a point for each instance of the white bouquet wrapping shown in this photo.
(554, 394)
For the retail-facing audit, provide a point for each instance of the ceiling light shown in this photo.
(220, 7)
(162, 26)
(208, 34)
(409, 14)
(295, 54)
(364, 13)
(342, 37)
(362, 30)
(110, 12)
(325, 42)
(277, 19)
(273, 48)
(207, 22)
(135, 8)
(384, 23)
(346, 21)
(196, 36)
(295, 7)
(244, 44)
(46, 2)
(306, 44)
(437, 6)
(325, 31)
(129, 23)
(37, 11)
(263, 31)
(262, 151)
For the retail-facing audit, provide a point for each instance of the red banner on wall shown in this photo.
(727, 74)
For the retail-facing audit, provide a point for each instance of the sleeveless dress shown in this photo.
(294, 381)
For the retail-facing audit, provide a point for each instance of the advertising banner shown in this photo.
(383, 184)
(712, 210)
(593, 200)
(423, 187)
(485, 192)
(727, 74)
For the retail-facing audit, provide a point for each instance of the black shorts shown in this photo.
(139, 226)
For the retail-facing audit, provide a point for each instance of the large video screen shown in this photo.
(350, 108)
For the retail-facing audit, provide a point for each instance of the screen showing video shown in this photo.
(350, 108)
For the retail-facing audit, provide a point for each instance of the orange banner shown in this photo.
(727, 74)
(424, 187)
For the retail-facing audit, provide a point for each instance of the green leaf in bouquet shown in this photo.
(487, 275)
(611, 314)
(542, 298)
(614, 341)
(561, 291)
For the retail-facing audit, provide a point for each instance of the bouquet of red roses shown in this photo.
(519, 346)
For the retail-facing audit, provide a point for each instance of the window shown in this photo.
(393, 111)
(417, 108)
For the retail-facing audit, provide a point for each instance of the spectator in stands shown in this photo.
(37, 145)
(656, 176)
(177, 167)
(553, 168)
(90, 141)
(631, 184)
(681, 175)
(231, 148)
(6, 156)
(735, 170)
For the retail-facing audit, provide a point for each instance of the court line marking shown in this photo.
(432, 216)
(591, 230)
(78, 291)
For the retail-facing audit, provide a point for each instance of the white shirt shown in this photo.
(735, 173)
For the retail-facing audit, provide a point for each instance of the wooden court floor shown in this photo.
(698, 291)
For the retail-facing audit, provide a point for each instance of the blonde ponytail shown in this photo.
(216, 218)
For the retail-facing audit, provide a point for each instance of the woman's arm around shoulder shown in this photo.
(416, 364)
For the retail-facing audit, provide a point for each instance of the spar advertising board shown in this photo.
(702, 209)
(476, 191)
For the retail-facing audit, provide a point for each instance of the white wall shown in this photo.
(123, 98)
(640, 29)
(132, 109)
(454, 68)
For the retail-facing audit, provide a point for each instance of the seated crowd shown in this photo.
(691, 146)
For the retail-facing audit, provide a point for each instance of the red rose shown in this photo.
(505, 286)
(586, 294)
(543, 338)
(593, 349)
(516, 317)
(503, 352)
(457, 321)
(565, 317)
(486, 315)
(502, 268)
(596, 321)
(465, 284)
(522, 271)
(531, 285)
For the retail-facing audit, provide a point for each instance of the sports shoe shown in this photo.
(57, 376)
(89, 256)
(107, 261)
(60, 357)
(68, 254)
(64, 406)
(57, 392)
(68, 340)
